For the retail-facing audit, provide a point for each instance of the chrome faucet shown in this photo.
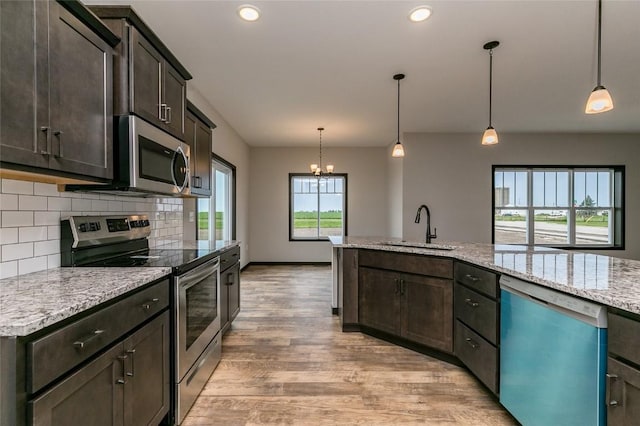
(435, 230)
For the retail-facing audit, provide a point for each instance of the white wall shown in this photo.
(394, 189)
(269, 197)
(230, 146)
(451, 173)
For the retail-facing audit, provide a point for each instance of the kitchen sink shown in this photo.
(429, 246)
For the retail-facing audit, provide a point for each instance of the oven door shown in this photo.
(197, 313)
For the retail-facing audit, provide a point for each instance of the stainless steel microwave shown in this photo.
(147, 161)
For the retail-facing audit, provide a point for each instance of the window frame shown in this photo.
(617, 207)
(211, 200)
(344, 206)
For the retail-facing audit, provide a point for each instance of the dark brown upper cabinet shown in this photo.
(56, 103)
(197, 133)
(148, 80)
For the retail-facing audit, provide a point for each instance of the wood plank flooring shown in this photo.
(286, 361)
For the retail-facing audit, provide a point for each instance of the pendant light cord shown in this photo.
(320, 165)
(599, 40)
(398, 133)
(490, 84)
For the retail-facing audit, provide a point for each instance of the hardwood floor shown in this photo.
(286, 361)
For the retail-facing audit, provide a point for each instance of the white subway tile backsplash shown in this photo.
(16, 218)
(33, 264)
(33, 233)
(47, 189)
(8, 269)
(8, 235)
(16, 251)
(53, 232)
(31, 202)
(30, 215)
(10, 186)
(115, 206)
(47, 218)
(80, 204)
(99, 205)
(59, 204)
(53, 261)
(8, 202)
(42, 248)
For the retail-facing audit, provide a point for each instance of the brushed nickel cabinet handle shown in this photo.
(471, 303)
(132, 353)
(163, 113)
(147, 305)
(168, 116)
(59, 134)
(123, 380)
(611, 402)
(471, 343)
(80, 344)
(472, 278)
(47, 133)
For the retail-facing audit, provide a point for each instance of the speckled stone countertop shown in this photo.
(607, 280)
(31, 302)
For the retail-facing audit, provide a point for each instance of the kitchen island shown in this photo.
(454, 301)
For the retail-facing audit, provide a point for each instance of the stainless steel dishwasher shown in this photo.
(553, 355)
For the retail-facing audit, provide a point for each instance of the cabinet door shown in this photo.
(173, 96)
(146, 398)
(92, 395)
(427, 311)
(379, 300)
(623, 394)
(201, 160)
(146, 80)
(225, 322)
(23, 79)
(233, 283)
(81, 106)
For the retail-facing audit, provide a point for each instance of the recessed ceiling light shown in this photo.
(420, 13)
(249, 12)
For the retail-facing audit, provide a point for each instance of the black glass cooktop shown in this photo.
(178, 259)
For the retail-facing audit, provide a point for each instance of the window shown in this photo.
(222, 202)
(559, 207)
(317, 207)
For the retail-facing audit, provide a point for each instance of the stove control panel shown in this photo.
(85, 231)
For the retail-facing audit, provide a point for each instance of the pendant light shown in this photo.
(490, 137)
(398, 149)
(316, 169)
(600, 99)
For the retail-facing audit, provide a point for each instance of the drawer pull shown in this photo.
(146, 306)
(471, 303)
(472, 278)
(229, 278)
(471, 343)
(122, 381)
(80, 344)
(132, 353)
(610, 378)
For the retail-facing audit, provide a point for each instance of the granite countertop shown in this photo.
(31, 302)
(607, 280)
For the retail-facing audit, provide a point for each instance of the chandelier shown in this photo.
(316, 169)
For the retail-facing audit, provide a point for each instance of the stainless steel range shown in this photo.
(122, 241)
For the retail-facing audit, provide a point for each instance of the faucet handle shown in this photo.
(435, 233)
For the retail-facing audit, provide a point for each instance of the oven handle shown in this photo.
(193, 277)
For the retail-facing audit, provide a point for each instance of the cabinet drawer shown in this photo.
(229, 258)
(56, 353)
(421, 265)
(624, 337)
(477, 311)
(478, 355)
(479, 279)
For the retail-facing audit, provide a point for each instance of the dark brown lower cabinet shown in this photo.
(229, 287)
(623, 393)
(415, 307)
(126, 385)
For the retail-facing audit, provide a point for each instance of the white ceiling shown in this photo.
(314, 63)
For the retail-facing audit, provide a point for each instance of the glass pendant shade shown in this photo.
(329, 168)
(490, 136)
(313, 168)
(398, 150)
(599, 101)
